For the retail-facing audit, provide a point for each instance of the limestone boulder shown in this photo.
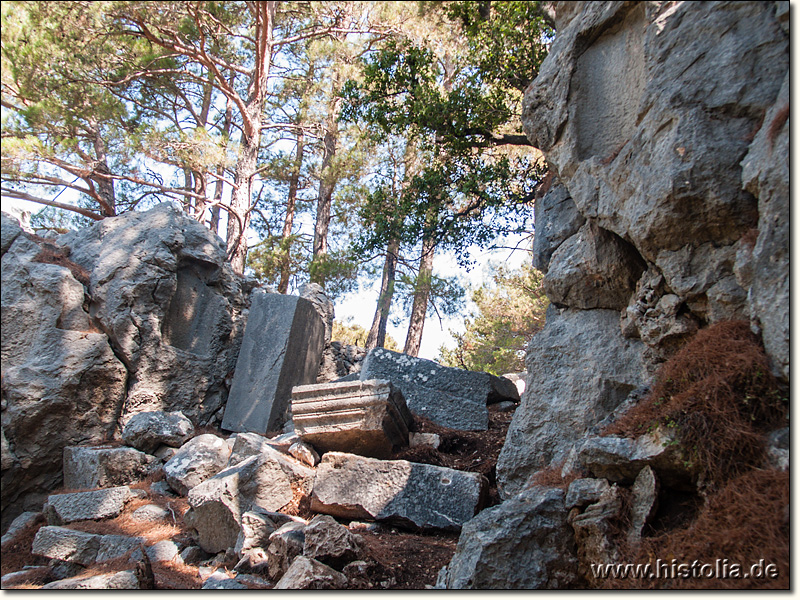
(580, 368)
(163, 291)
(146, 431)
(285, 544)
(87, 467)
(62, 382)
(309, 574)
(198, 459)
(331, 543)
(9, 230)
(267, 481)
(79, 547)
(121, 580)
(410, 494)
(523, 543)
(621, 459)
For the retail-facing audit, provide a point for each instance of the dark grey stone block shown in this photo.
(281, 348)
(450, 397)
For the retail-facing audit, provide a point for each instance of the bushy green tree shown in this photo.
(355, 335)
(510, 309)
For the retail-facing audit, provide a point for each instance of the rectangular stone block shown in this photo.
(85, 506)
(98, 467)
(361, 417)
(281, 348)
(450, 397)
(396, 491)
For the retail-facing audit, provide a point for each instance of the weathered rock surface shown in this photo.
(309, 574)
(579, 369)
(62, 509)
(411, 494)
(644, 503)
(557, 219)
(80, 547)
(331, 543)
(282, 346)
(9, 230)
(449, 397)
(198, 459)
(585, 491)
(361, 417)
(765, 173)
(594, 530)
(621, 459)
(87, 467)
(121, 580)
(146, 431)
(62, 383)
(285, 544)
(157, 325)
(594, 268)
(266, 481)
(523, 543)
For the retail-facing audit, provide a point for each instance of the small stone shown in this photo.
(308, 574)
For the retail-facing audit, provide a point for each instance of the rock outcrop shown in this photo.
(139, 312)
(665, 127)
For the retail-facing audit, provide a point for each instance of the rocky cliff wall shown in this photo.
(665, 126)
(136, 313)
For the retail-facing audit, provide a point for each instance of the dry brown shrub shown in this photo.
(719, 395)
(53, 255)
(551, 477)
(745, 521)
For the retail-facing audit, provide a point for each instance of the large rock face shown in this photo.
(580, 368)
(665, 126)
(136, 313)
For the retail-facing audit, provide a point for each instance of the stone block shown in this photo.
(83, 506)
(409, 494)
(309, 574)
(197, 460)
(450, 397)
(361, 417)
(79, 547)
(94, 467)
(281, 348)
(148, 430)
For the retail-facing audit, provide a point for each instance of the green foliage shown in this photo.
(355, 335)
(509, 311)
(459, 109)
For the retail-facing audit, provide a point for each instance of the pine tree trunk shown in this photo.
(422, 294)
(377, 333)
(291, 202)
(327, 181)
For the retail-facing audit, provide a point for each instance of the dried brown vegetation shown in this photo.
(53, 255)
(719, 395)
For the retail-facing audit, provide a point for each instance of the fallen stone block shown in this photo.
(585, 491)
(79, 547)
(98, 467)
(450, 397)
(146, 431)
(644, 503)
(197, 460)
(281, 348)
(85, 506)
(362, 417)
(523, 543)
(266, 481)
(255, 529)
(595, 530)
(309, 574)
(331, 543)
(410, 494)
(122, 580)
(18, 525)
